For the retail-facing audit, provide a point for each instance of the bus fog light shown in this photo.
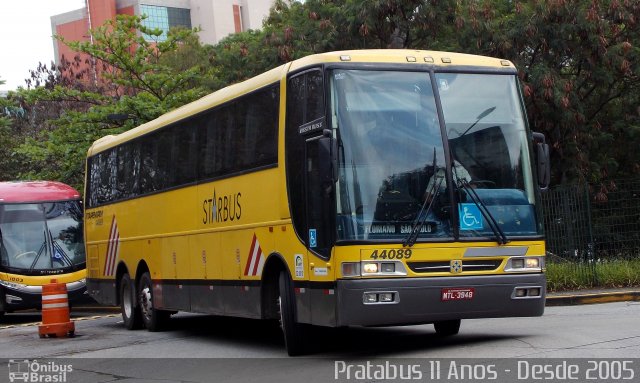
(521, 293)
(535, 292)
(350, 269)
(386, 297)
(388, 267)
(370, 297)
(517, 263)
(370, 268)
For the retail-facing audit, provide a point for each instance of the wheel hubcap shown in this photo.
(127, 301)
(280, 313)
(145, 301)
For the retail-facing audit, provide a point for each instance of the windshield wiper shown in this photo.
(482, 115)
(421, 218)
(500, 236)
(38, 254)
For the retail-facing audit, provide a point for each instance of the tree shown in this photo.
(7, 141)
(579, 64)
(136, 79)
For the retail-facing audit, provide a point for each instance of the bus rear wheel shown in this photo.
(153, 319)
(131, 315)
(447, 327)
(294, 332)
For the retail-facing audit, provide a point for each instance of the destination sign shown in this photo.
(398, 228)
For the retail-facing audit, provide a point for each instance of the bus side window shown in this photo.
(128, 169)
(107, 176)
(185, 153)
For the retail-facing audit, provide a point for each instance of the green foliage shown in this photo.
(131, 78)
(610, 274)
(579, 63)
(7, 144)
(9, 163)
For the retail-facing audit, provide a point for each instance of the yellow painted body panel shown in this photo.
(40, 280)
(195, 240)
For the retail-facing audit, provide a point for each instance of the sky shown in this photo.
(25, 36)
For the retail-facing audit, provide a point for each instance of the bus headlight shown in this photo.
(532, 263)
(351, 269)
(388, 267)
(524, 264)
(12, 285)
(370, 268)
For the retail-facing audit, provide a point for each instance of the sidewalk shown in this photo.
(582, 297)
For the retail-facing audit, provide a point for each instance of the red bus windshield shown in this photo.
(41, 238)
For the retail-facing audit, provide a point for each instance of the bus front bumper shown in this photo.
(428, 300)
(22, 297)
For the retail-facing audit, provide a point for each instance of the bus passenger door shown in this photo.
(310, 205)
(320, 219)
(318, 196)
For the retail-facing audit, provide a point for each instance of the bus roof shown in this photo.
(403, 56)
(36, 191)
(382, 56)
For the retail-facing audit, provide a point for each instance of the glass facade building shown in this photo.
(164, 18)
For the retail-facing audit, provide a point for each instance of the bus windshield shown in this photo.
(392, 162)
(41, 238)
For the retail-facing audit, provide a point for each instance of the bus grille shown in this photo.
(445, 266)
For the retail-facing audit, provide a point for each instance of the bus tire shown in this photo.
(131, 315)
(153, 319)
(447, 327)
(294, 332)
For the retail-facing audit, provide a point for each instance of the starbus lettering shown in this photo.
(94, 214)
(221, 208)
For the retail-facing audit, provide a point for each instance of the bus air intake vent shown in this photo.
(445, 266)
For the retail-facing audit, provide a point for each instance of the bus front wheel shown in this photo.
(131, 315)
(294, 332)
(153, 319)
(447, 327)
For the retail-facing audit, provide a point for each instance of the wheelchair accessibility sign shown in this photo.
(470, 217)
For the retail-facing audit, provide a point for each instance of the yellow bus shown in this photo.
(354, 188)
(41, 238)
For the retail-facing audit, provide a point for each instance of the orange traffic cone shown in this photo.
(55, 311)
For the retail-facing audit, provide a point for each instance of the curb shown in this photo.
(592, 298)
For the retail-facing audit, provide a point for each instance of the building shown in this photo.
(216, 18)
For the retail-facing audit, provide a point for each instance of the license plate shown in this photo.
(457, 294)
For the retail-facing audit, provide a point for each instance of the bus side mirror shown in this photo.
(543, 163)
(327, 158)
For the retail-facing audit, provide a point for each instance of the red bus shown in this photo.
(41, 238)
